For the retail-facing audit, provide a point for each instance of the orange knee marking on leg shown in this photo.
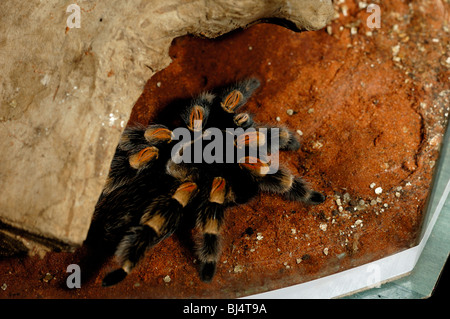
(254, 165)
(241, 118)
(196, 118)
(143, 157)
(252, 139)
(185, 192)
(159, 134)
(218, 190)
(231, 101)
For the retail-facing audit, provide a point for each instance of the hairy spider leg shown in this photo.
(234, 96)
(283, 138)
(125, 168)
(142, 158)
(136, 137)
(287, 139)
(244, 120)
(300, 191)
(115, 212)
(136, 152)
(262, 142)
(160, 220)
(281, 182)
(196, 114)
(251, 139)
(119, 210)
(229, 100)
(209, 221)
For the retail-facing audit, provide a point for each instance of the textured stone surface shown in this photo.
(66, 94)
(372, 107)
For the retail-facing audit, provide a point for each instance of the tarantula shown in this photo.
(156, 181)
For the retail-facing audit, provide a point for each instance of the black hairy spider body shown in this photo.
(157, 180)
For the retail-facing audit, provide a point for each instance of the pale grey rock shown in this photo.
(66, 94)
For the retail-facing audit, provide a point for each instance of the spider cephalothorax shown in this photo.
(158, 178)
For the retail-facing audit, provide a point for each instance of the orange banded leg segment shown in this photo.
(184, 193)
(218, 190)
(293, 188)
(131, 249)
(196, 118)
(196, 114)
(231, 102)
(156, 222)
(254, 165)
(237, 95)
(136, 137)
(300, 191)
(252, 139)
(146, 155)
(279, 138)
(279, 182)
(210, 220)
(159, 221)
(243, 120)
(158, 134)
(288, 140)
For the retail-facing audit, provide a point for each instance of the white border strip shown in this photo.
(361, 277)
